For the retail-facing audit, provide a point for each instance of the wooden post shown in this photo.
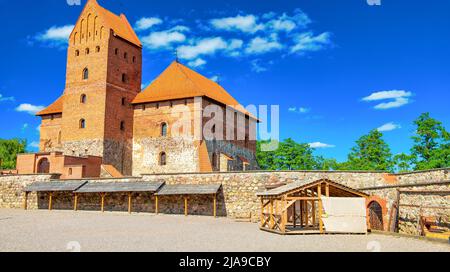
(75, 202)
(262, 213)
(129, 202)
(284, 216)
(319, 194)
(295, 214)
(272, 223)
(327, 190)
(185, 206)
(313, 213)
(50, 201)
(25, 201)
(103, 202)
(215, 206)
(156, 205)
(301, 213)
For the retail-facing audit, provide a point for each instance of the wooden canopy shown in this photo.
(120, 187)
(296, 208)
(68, 186)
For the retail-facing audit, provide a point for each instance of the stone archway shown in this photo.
(43, 166)
(376, 216)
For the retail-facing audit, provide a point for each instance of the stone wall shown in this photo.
(418, 195)
(238, 196)
(11, 190)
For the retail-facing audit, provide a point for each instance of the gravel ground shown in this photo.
(93, 231)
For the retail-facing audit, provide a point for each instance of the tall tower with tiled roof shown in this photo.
(94, 115)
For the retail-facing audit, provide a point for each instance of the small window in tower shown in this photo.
(116, 51)
(124, 78)
(134, 59)
(83, 99)
(162, 159)
(164, 129)
(185, 102)
(124, 101)
(143, 107)
(87, 51)
(122, 125)
(85, 73)
(82, 123)
(70, 171)
(77, 53)
(97, 49)
(157, 105)
(125, 55)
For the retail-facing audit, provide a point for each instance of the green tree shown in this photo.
(9, 150)
(370, 153)
(289, 155)
(431, 144)
(403, 162)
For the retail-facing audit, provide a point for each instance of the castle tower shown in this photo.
(94, 116)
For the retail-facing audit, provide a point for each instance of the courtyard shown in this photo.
(63, 231)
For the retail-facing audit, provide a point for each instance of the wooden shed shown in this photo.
(297, 208)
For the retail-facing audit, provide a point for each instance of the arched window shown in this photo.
(82, 123)
(97, 49)
(87, 51)
(83, 99)
(77, 53)
(164, 129)
(124, 78)
(162, 159)
(70, 171)
(122, 125)
(85, 73)
(44, 166)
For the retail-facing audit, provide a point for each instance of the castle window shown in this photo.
(162, 159)
(164, 129)
(77, 53)
(124, 78)
(82, 124)
(85, 73)
(83, 99)
(125, 55)
(215, 162)
(157, 105)
(70, 171)
(97, 49)
(123, 101)
(122, 125)
(134, 59)
(116, 52)
(87, 51)
(185, 102)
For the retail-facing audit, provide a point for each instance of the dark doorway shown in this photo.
(44, 166)
(376, 216)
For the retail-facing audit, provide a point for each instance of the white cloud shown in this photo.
(34, 144)
(197, 62)
(289, 23)
(214, 78)
(30, 109)
(3, 98)
(257, 67)
(389, 127)
(399, 97)
(247, 24)
(163, 39)
(299, 110)
(387, 95)
(261, 45)
(146, 23)
(56, 35)
(320, 145)
(208, 46)
(307, 42)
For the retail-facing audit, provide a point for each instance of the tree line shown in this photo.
(430, 150)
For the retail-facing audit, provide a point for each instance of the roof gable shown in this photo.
(117, 23)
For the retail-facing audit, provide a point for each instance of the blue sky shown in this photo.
(337, 68)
